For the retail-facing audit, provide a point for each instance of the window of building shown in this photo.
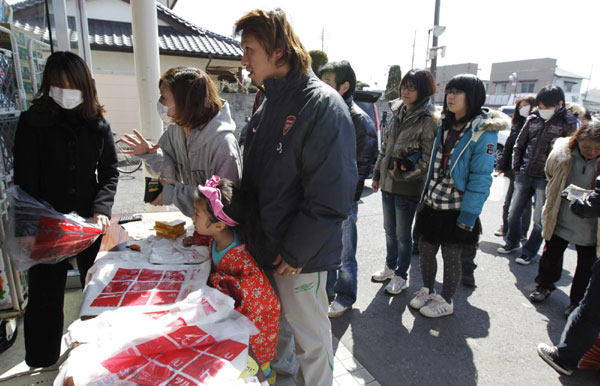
(570, 86)
(527, 87)
(500, 88)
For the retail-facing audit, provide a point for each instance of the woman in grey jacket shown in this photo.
(401, 169)
(198, 142)
(572, 161)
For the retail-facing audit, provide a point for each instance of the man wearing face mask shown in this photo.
(550, 121)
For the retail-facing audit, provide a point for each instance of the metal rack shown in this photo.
(12, 102)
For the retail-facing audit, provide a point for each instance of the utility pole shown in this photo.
(436, 22)
(323, 38)
(588, 84)
(412, 63)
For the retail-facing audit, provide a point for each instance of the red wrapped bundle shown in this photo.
(39, 234)
(591, 359)
(60, 237)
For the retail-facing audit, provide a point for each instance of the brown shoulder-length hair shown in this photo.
(64, 69)
(422, 80)
(196, 97)
(273, 30)
(516, 117)
(589, 130)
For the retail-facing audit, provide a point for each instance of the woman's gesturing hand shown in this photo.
(139, 145)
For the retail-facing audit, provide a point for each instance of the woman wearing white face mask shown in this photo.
(198, 142)
(65, 155)
(551, 120)
(522, 111)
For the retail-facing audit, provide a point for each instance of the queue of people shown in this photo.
(283, 227)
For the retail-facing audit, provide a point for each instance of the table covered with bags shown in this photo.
(149, 317)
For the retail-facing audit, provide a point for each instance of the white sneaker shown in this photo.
(437, 307)
(505, 250)
(396, 285)
(336, 309)
(383, 274)
(421, 298)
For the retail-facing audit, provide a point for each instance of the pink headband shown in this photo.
(211, 191)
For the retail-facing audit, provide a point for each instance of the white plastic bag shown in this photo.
(124, 279)
(498, 188)
(200, 340)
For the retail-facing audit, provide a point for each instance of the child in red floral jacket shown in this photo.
(220, 213)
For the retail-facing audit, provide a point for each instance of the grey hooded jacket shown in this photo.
(410, 135)
(185, 164)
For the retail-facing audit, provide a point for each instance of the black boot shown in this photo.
(467, 259)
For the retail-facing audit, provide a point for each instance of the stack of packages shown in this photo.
(198, 341)
(170, 229)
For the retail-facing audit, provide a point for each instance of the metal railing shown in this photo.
(36, 65)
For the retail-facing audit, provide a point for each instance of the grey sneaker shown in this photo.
(421, 298)
(396, 285)
(336, 309)
(437, 307)
(540, 294)
(548, 354)
(500, 231)
(524, 260)
(505, 250)
(383, 274)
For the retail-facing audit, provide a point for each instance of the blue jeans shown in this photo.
(344, 284)
(398, 215)
(583, 325)
(525, 188)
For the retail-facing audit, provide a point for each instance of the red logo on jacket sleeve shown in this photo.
(289, 121)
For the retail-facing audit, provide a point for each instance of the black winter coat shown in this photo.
(535, 141)
(366, 144)
(300, 164)
(67, 161)
(505, 161)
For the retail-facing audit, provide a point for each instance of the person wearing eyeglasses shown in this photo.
(458, 183)
(400, 172)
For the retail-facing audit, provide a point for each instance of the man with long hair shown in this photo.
(300, 165)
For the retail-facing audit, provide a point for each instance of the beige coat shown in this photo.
(558, 166)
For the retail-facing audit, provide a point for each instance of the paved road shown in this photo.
(490, 339)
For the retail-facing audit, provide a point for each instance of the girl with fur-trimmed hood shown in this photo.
(457, 186)
(574, 160)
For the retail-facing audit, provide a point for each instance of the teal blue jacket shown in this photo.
(472, 162)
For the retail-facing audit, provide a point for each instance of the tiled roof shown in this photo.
(190, 40)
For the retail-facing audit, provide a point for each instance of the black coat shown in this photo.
(505, 161)
(366, 144)
(300, 164)
(67, 161)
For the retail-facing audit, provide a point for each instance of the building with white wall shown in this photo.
(181, 43)
(510, 81)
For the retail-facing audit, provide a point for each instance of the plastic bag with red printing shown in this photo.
(38, 234)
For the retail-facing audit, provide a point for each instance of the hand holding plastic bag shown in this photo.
(38, 234)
